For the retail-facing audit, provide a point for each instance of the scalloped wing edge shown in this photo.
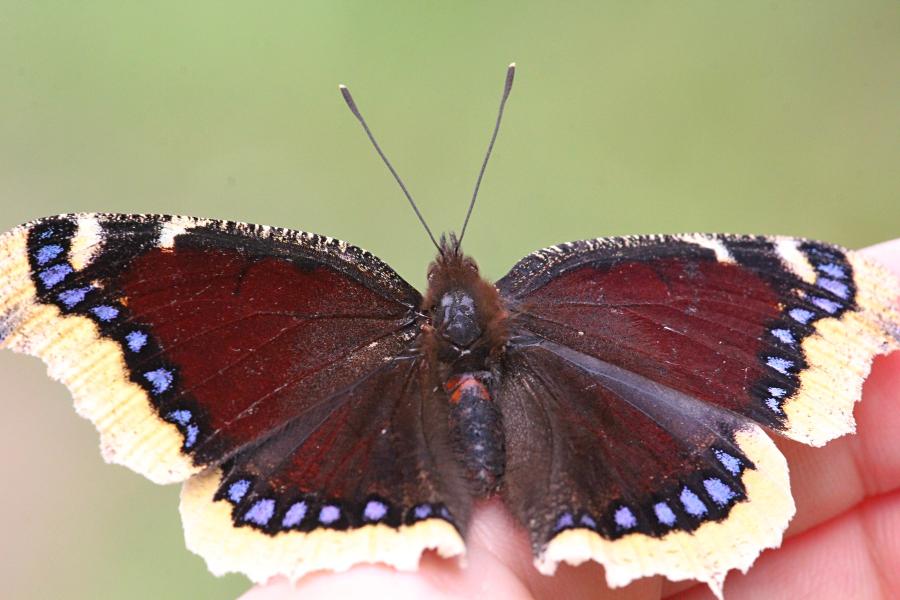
(706, 554)
(839, 356)
(210, 532)
(92, 367)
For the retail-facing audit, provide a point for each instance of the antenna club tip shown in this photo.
(341, 86)
(512, 65)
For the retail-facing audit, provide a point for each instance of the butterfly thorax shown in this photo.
(464, 338)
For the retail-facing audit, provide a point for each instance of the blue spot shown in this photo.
(718, 491)
(785, 336)
(329, 514)
(423, 511)
(664, 513)
(835, 287)
(46, 233)
(237, 490)
(588, 521)
(779, 364)
(375, 510)
(444, 513)
(625, 518)
(182, 417)
(54, 274)
(72, 297)
(47, 253)
(261, 511)
(105, 312)
(829, 306)
(833, 270)
(190, 437)
(801, 315)
(774, 405)
(136, 340)
(295, 515)
(692, 503)
(565, 520)
(777, 392)
(160, 379)
(731, 463)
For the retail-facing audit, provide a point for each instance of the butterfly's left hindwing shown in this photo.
(640, 370)
(249, 356)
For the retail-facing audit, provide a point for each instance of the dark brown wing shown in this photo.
(636, 371)
(198, 345)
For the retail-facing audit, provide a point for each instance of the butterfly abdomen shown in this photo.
(476, 429)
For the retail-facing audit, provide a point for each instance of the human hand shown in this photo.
(844, 541)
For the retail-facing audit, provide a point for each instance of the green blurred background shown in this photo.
(767, 117)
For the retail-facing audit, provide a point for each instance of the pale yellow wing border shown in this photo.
(91, 366)
(210, 532)
(705, 554)
(839, 355)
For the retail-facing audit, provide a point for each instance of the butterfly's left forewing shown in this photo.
(646, 367)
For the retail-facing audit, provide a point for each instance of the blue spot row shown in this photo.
(625, 519)
(261, 511)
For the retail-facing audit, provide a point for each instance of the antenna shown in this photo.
(352, 106)
(507, 87)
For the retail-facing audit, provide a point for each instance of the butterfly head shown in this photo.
(466, 314)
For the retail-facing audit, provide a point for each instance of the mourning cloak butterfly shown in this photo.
(614, 393)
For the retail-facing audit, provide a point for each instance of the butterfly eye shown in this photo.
(455, 317)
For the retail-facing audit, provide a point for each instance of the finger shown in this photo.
(485, 575)
(496, 533)
(856, 555)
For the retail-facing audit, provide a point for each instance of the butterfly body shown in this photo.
(612, 393)
(464, 338)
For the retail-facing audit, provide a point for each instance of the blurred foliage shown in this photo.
(627, 117)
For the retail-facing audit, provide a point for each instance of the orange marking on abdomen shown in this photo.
(458, 385)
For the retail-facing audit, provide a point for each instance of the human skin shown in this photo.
(844, 541)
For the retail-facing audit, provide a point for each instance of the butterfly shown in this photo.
(614, 393)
